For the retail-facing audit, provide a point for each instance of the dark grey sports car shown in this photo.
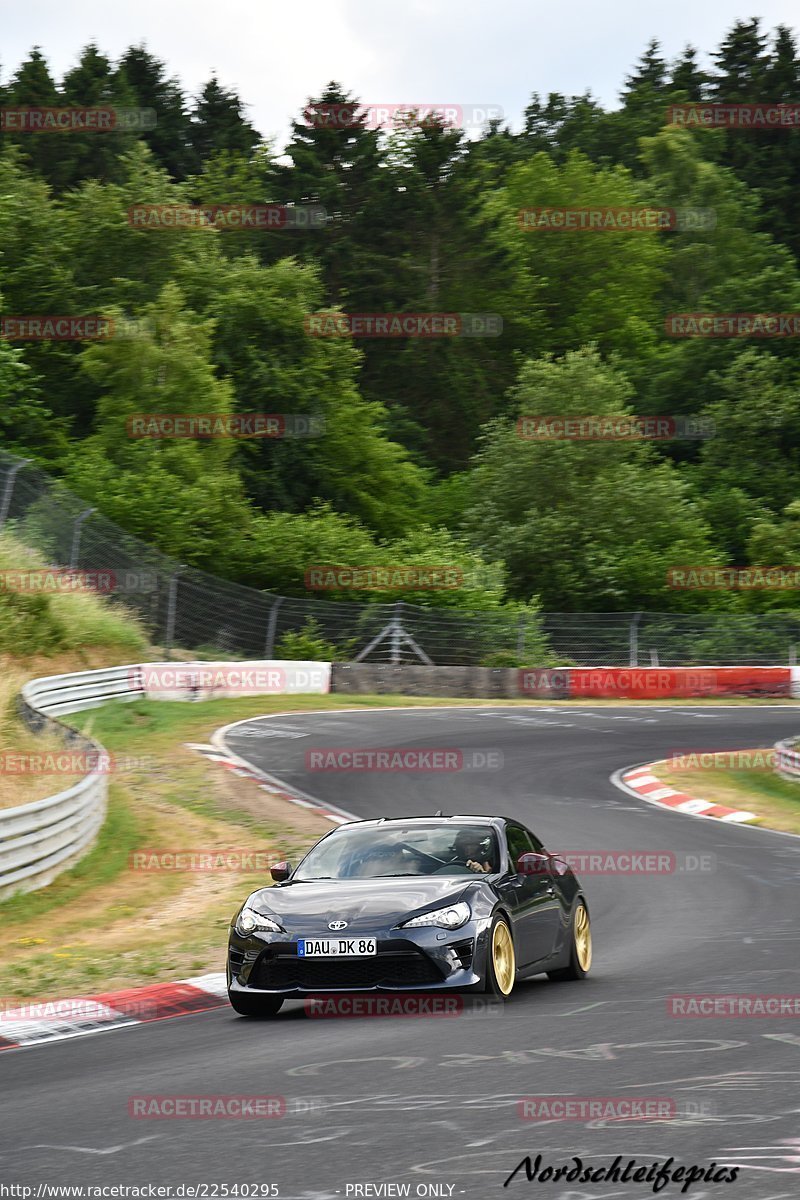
(461, 903)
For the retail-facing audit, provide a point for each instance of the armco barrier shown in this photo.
(40, 840)
(565, 683)
(382, 679)
(659, 683)
(787, 759)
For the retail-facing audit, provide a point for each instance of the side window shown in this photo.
(537, 845)
(519, 842)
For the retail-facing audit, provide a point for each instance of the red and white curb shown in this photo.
(239, 766)
(34, 1022)
(644, 783)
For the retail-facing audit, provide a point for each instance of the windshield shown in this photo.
(392, 851)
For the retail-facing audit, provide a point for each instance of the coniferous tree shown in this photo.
(33, 86)
(218, 123)
(687, 77)
(94, 155)
(170, 139)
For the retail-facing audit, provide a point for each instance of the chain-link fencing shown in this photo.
(185, 608)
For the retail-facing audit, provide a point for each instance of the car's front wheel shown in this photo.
(254, 1005)
(580, 959)
(501, 962)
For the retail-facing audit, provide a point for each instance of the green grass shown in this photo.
(775, 800)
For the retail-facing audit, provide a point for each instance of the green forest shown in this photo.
(420, 460)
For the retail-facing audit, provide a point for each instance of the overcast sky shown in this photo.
(413, 51)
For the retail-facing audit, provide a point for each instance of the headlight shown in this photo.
(249, 920)
(451, 917)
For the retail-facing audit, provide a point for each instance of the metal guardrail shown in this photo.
(40, 840)
(787, 758)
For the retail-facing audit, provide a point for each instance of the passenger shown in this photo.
(387, 860)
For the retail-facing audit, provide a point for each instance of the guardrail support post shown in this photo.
(397, 632)
(272, 625)
(5, 503)
(633, 641)
(172, 608)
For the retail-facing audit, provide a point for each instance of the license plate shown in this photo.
(336, 947)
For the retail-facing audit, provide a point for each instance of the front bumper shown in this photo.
(424, 959)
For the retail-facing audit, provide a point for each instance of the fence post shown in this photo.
(272, 624)
(633, 641)
(76, 537)
(172, 607)
(397, 629)
(5, 504)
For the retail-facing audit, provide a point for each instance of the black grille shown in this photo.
(235, 958)
(464, 951)
(382, 970)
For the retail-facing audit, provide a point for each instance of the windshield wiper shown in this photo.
(397, 875)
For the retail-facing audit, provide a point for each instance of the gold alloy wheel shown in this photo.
(583, 939)
(503, 960)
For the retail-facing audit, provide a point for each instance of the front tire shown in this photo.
(501, 962)
(254, 1005)
(580, 959)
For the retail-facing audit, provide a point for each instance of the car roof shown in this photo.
(449, 819)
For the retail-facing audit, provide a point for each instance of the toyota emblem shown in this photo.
(337, 924)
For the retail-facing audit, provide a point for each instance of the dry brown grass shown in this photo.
(20, 781)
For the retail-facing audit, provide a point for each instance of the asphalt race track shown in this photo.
(424, 1102)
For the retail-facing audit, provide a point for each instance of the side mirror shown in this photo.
(531, 863)
(281, 871)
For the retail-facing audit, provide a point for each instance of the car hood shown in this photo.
(359, 900)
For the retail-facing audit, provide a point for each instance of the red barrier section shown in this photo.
(657, 683)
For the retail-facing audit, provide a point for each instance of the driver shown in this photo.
(468, 847)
